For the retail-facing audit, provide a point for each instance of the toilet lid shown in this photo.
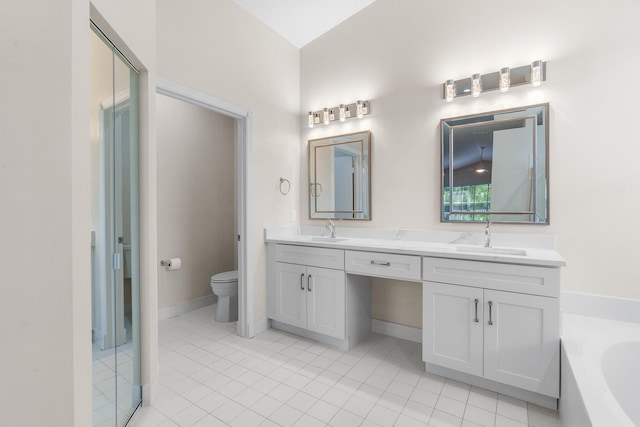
(227, 276)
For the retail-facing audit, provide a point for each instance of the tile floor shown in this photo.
(210, 377)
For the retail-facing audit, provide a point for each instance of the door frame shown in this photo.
(244, 124)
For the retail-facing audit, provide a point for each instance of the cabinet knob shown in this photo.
(301, 284)
(476, 301)
(309, 283)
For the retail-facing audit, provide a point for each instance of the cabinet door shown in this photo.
(291, 294)
(326, 301)
(521, 345)
(452, 327)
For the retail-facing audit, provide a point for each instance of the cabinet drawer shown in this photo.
(307, 255)
(402, 267)
(505, 277)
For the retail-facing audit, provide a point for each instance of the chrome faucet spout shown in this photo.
(332, 228)
(487, 233)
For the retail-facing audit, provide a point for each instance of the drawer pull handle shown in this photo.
(381, 263)
(309, 283)
(490, 305)
(476, 301)
(301, 285)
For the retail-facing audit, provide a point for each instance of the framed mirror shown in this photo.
(495, 166)
(340, 177)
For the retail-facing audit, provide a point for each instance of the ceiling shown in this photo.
(302, 21)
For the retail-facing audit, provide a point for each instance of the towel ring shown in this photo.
(282, 181)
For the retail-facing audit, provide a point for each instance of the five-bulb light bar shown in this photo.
(342, 112)
(533, 74)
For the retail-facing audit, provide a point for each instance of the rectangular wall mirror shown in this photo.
(340, 177)
(495, 166)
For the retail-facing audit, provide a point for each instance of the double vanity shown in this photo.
(490, 314)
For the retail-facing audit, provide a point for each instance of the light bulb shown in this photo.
(310, 119)
(536, 73)
(476, 85)
(449, 90)
(325, 116)
(342, 114)
(505, 79)
(359, 109)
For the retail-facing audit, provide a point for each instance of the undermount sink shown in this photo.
(484, 250)
(326, 239)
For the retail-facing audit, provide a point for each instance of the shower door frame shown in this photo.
(244, 124)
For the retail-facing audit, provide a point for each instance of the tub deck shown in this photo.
(585, 398)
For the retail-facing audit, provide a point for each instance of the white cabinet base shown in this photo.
(306, 333)
(358, 316)
(518, 393)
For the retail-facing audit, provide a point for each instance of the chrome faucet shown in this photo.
(487, 233)
(332, 228)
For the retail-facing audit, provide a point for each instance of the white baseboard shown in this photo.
(150, 392)
(184, 307)
(396, 330)
(261, 326)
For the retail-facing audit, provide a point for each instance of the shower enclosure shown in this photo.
(114, 236)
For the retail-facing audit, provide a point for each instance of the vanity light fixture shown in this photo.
(504, 79)
(536, 73)
(449, 90)
(340, 113)
(476, 85)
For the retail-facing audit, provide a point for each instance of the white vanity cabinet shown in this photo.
(310, 289)
(496, 321)
(310, 297)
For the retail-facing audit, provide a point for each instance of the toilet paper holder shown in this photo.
(171, 263)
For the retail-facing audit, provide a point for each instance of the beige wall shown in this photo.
(45, 297)
(219, 49)
(398, 54)
(196, 198)
(397, 301)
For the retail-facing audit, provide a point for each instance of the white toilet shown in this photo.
(225, 286)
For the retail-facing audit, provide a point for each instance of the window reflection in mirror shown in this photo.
(495, 166)
(339, 177)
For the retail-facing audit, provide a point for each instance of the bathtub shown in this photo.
(600, 379)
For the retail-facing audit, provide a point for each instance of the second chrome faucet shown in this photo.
(331, 226)
(487, 233)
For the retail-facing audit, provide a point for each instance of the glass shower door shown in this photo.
(115, 241)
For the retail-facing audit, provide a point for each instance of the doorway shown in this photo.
(196, 204)
(243, 125)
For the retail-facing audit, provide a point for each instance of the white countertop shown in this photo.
(538, 248)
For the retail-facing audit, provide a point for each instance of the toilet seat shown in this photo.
(226, 277)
